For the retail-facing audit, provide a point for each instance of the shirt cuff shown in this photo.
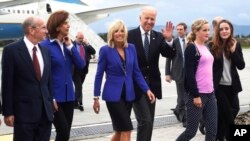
(70, 47)
(170, 43)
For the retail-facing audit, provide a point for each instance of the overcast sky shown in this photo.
(237, 11)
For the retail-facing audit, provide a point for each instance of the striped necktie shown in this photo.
(146, 45)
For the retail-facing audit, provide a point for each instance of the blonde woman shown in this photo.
(201, 102)
(119, 62)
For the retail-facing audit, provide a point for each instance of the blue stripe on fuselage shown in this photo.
(10, 31)
(71, 1)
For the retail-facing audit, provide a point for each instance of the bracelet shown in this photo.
(96, 98)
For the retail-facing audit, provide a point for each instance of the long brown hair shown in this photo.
(219, 44)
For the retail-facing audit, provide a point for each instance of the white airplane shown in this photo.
(13, 13)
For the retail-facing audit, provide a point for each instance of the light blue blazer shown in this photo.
(116, 76)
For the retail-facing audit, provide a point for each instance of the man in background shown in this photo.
(175, 71)
(86, 51)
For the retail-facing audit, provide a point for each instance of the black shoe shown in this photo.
(202, 129)
(81, 108)
(76, 107)
(176, 114)
(184, 124)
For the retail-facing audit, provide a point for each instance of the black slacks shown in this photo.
(144, 113)
(226, 111)
(39, 131)
(78, 78)
(63, 120)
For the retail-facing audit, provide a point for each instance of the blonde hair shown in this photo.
(196, 26)
(115, 26)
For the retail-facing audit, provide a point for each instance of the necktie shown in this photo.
(81, 51)
(183, 50)
(183, 45)
(146, 45)
(36, 64)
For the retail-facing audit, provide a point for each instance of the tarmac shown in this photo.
(88, 126)
(165, 133)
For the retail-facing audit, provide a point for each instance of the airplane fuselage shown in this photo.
(12, 17)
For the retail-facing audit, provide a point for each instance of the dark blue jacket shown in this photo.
(23, 95)
(237, 62)
(192, 57)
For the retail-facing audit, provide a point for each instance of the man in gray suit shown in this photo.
(175, 71)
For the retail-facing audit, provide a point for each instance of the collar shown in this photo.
(28, 44)
(143, 31)
(182, 38)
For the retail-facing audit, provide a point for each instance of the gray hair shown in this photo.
(29, 22)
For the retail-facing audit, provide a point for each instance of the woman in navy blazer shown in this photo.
(228, 57)
(119, 62)
(63, 56)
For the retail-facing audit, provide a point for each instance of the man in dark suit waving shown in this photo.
(149, 45)
(26, 86)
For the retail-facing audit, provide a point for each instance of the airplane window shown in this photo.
(8, 10)
(28, 11)
(14, 11)
(18, 11)
(23, 11)
(32, 12)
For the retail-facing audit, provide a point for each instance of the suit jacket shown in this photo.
(0, 107)
(61, 67)
(150, 67)
(237, 62)
(24, 96)
(118, 76)
(174, 66)
(88, 50)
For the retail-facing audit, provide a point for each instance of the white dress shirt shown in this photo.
(30, 47)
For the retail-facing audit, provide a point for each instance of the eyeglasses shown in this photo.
(39, 27)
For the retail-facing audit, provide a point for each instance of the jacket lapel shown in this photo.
(23, 50)
(152, 43)
(117, 58)
(45, 61)
(127, 55)
(178, 46)
(139, 45)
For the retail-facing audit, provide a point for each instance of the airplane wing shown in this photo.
(15, 2)
(91, 16)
